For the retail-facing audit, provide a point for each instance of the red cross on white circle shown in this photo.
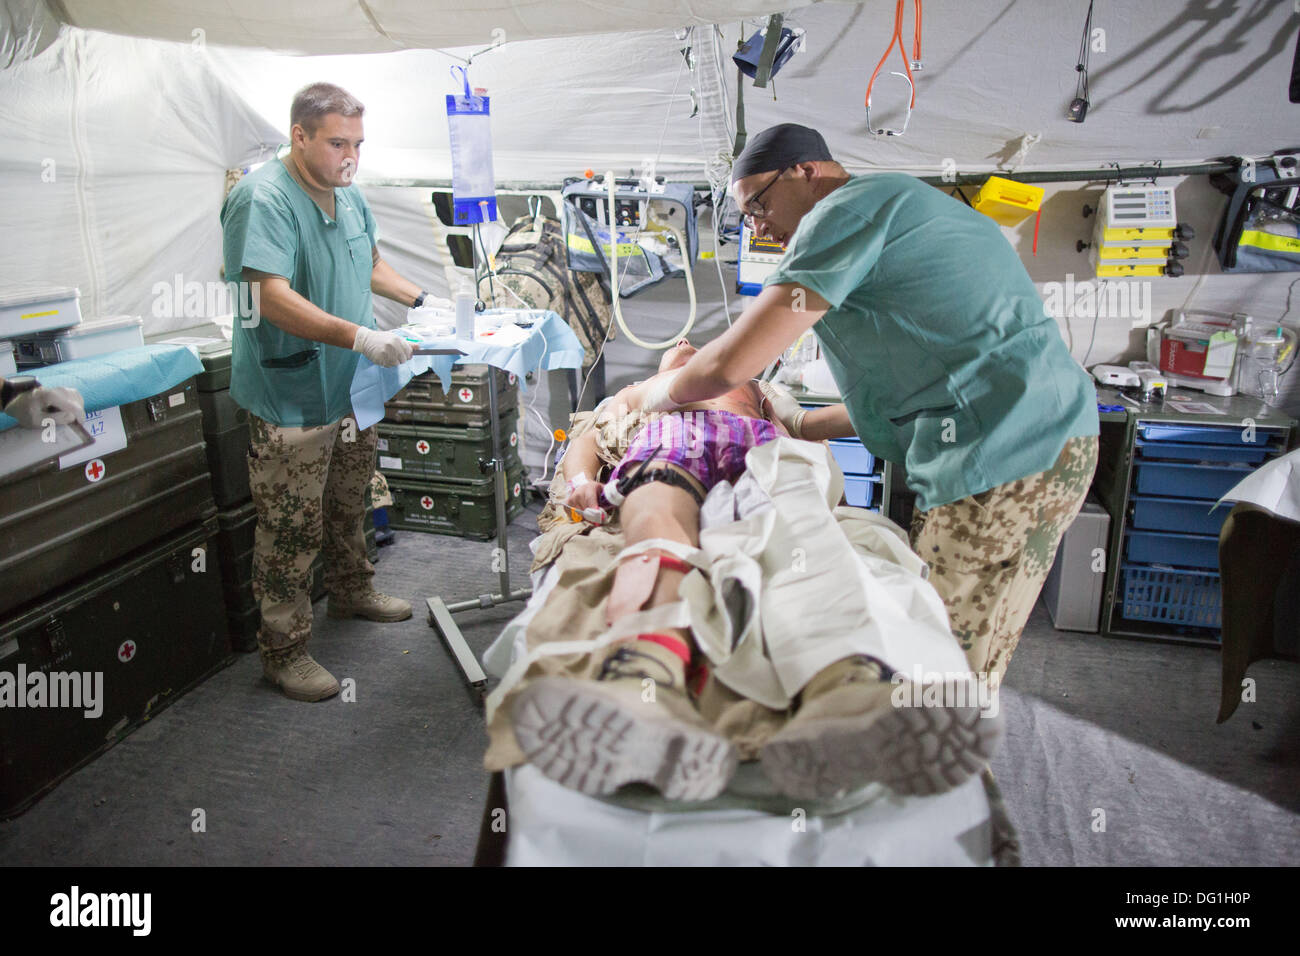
(94, 469)
(514, 439)
(126, 651)
(516, 489)
(422, 447)
(512, 378)
(465, 395)
(426, 503)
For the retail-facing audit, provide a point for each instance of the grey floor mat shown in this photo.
(1094, 724)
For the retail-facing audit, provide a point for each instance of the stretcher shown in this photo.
(532, 820)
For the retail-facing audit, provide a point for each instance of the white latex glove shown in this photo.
(783, 408)
(382, 348)
(655, 397)
(63, 405)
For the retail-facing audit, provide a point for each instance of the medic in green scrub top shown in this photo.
(946, 361)
(302, 233)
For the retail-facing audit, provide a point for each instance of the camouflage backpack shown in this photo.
(531, 262)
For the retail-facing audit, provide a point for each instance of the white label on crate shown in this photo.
(105, 426)
(382, 444)
(422, 447)
(126, 651)
(177, 399)
(466, 394)
(426, 503)
(94, 470)
(387, 461)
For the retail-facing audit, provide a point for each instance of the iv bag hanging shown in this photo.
(473, 186)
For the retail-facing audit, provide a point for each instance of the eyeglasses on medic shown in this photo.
(752, 216)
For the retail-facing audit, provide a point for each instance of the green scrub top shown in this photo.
(943, 352)
(270, 224)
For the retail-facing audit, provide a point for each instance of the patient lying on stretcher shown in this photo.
(637, 720)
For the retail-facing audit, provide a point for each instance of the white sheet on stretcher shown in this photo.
(750, 824)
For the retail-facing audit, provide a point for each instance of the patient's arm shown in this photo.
(581, 458)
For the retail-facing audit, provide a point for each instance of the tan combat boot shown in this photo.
(633, 723)
(296, 673)
(848, 733)
(372, 606)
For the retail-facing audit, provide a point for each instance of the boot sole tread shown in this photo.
(595, 743)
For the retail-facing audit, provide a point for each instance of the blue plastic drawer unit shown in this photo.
(1178, 550)
(1186, 515)
(1204, 434)
(1184, 480)
(1168, 596)
(852, 458)
(1187, 451)
(861, 491)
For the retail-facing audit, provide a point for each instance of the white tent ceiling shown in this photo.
(142, 127)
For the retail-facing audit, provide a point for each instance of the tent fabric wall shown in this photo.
(114, 170)
(141, 131)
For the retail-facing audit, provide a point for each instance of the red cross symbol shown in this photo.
(426, 503)
(126, 651)
(512, 378)
(465, 395)
(516, 489)
(514, 439)
(94, 469)
(422, 447)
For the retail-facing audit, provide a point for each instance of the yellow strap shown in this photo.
(1269, 241)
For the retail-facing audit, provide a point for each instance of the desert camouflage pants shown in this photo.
(989, 554)
(309, 486)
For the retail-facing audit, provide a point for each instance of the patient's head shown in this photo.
(677, 356)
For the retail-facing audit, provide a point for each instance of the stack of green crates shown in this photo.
(434, 447)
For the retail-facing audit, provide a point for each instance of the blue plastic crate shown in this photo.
(1176, 480)
(1183, 598)
(1185, 515)
(852, 458)
(1183, 451)
(861, 491)
(1202, 434)
(1179, 550)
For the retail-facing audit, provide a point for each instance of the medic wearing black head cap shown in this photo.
(946, 360)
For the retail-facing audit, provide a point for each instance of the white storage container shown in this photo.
(100, 337)
(38, 310)
(7, 364)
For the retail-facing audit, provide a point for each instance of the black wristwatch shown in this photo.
(419, 299)
(15, 386)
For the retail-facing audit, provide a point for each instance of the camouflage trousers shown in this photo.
(309, 486)
(989, 554)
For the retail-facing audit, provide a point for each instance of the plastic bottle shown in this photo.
(465, 312)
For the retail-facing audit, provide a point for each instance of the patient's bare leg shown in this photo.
(654, 510)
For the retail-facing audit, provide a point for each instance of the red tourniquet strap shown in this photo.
(669, 642)
(673, 563)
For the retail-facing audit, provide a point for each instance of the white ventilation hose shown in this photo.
(613, 276)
